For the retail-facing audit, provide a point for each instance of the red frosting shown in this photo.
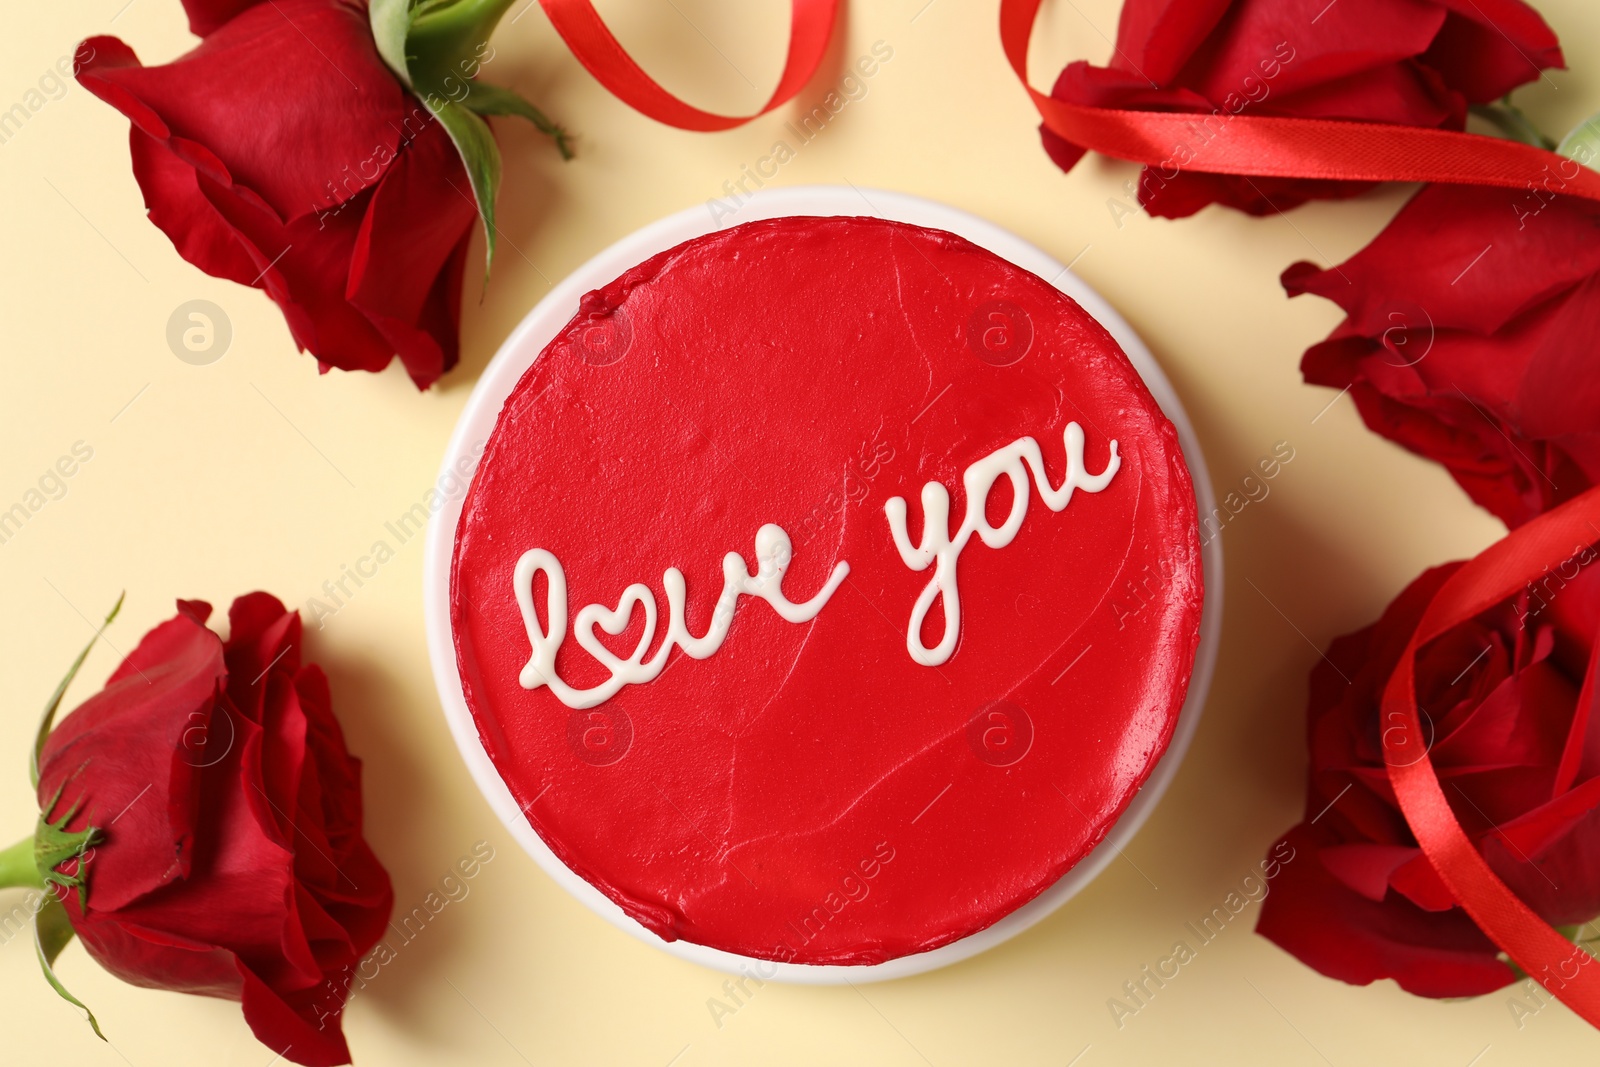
(809, 793)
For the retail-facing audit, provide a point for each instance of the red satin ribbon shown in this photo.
(1259, 145)
(810, 26)
(1276, 147)
(1493, 577)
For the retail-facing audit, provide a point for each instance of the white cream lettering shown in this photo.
(940, 550)
(773, 552)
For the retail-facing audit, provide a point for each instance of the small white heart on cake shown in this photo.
(614, 622)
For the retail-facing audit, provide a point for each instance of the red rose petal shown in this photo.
(301, 73)
(1486, 57)
(1402, 92)
(1419, 883)
(1346, 936)
(1156, 37)
(307, 279)
(1558, 393)
(414, 224)
(143, 796)
(1366, 868)
(206, 15)
(155, 959)
(1350, 37)
(1560, 879)
(1532, 832)
(263, 638)
(306, 1026)
(242, 863)
(1522, 723)
(1469, 257)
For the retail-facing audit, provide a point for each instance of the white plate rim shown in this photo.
(517, 353)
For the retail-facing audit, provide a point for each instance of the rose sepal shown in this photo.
(32, 862)
(436, 47)
(52, 931)
(486, 99)
(1511, 122)
(47, 720)
(54, 845)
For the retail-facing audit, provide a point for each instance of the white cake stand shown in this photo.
(542, 324)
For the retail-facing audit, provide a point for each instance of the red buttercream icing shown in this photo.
(809, 792)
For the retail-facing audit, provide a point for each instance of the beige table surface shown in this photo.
(256, 472)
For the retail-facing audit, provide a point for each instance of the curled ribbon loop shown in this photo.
(1493, 577)
(1273, 146)
(810, 27)
(1282, 147)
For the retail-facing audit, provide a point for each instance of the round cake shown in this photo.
(827, 589)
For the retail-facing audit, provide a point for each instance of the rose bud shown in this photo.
(201, 829)
(1420, 63)
(1519, 762)
(283, 153)
(1469, 339)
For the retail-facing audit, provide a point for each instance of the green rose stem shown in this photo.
(444, 36)
(17, 869)
(1583, 143)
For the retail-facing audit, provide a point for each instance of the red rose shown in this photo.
(230, 860)
(1519, 763)
(1470, 337)
(1417, 63)
(283, 154)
